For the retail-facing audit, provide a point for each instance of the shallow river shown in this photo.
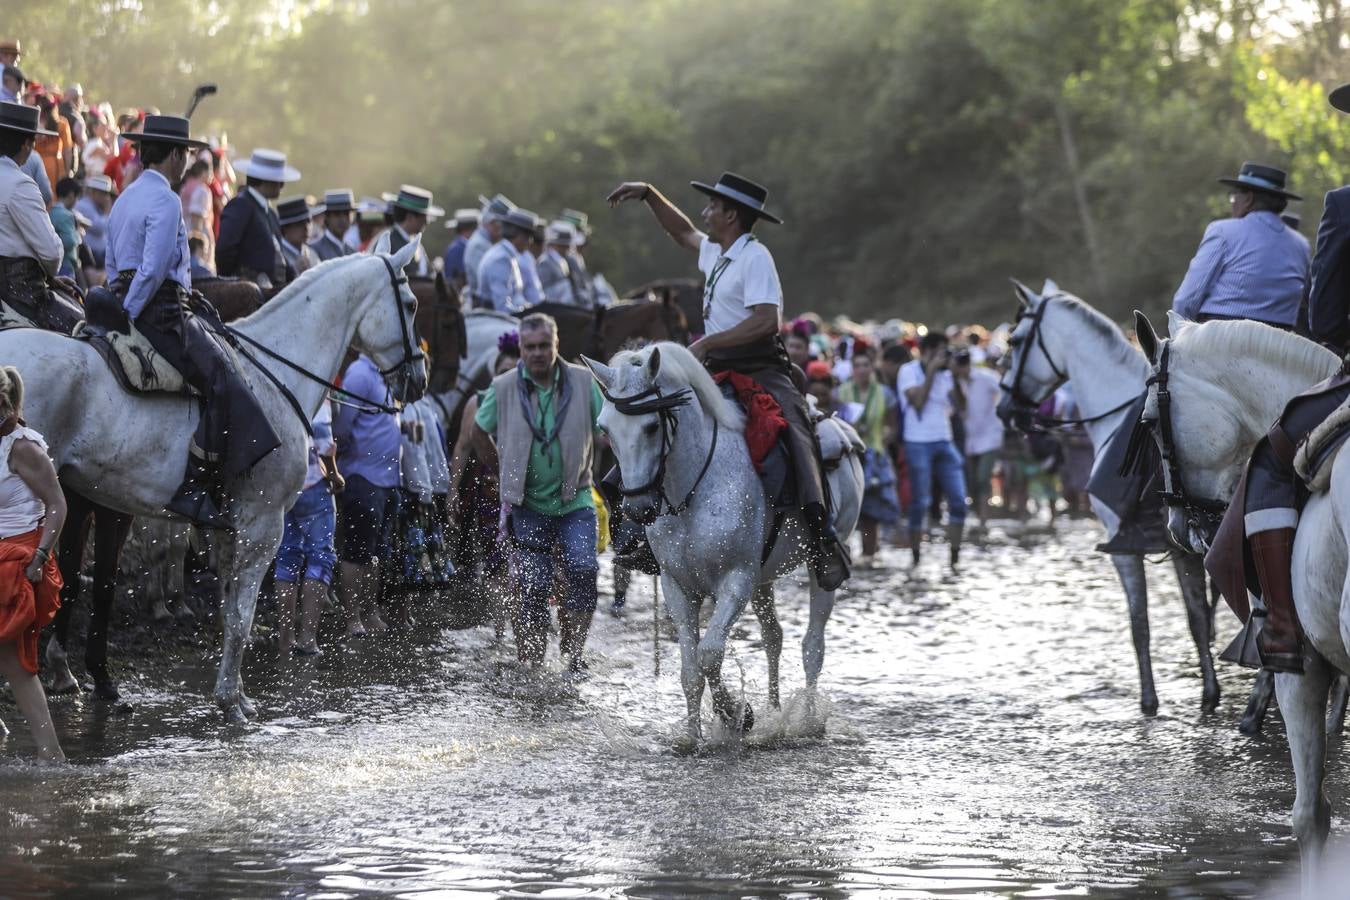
(982, 738)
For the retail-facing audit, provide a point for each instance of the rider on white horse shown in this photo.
(1265, 506)
(147, 263)
(742, 313)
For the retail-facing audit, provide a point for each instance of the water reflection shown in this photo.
(980, 738)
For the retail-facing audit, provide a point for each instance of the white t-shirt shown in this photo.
(742, 277)
(984, 431)
(935, 424)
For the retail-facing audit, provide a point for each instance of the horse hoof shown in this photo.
(106, 690)
(747, 719)
(234, 715)
(1250, 727)
(1209, 706)
(65, 683)
(248, 707)
(1149, 709)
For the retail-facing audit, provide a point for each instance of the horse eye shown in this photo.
(651, 428)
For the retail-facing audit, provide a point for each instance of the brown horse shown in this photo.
(440, 322)
(600, 333)
(233, 298)
(685, 293)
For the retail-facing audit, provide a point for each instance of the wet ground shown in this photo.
(981, 737)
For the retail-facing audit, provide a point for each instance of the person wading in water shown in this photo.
(742, 319)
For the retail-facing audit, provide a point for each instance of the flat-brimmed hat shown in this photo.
(740, 190)
(97, 183)
(12, 45)
(165, 130)
(295, 209)
(1266, 179)
(521, 218)
(414, 199)
(581, 222)
(495, 208)
(1340, 98)
(339, 200)
(17, 117)
(267, 165)
(560, 231)
(463, 218)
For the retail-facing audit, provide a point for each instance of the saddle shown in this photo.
(135, 364)
(1313, 459)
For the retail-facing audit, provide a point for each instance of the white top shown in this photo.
(935, 424)
(984, 430)
(742, 277)
(20, 509)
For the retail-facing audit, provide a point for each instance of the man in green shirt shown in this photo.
(537, 424)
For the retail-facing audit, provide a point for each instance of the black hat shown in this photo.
(1340, 98)
(1256, 177)
(17, 117)
(742, 191)
(339, 201)
(165, 130)
(295, 209)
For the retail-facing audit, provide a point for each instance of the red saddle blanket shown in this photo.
(764, 421)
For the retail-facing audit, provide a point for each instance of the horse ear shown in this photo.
(405, 256)
(442, 292)
(1148, 338)
(1025, 295)
(603, 373)
(654, 362)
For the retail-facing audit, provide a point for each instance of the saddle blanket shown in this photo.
(1132, 496)
(135, 364)
(1313, 460)
(764, 422)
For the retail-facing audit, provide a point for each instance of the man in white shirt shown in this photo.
(928, 395)
(742, 318)
(984, 429)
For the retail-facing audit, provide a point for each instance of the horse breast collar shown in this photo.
(653, 401)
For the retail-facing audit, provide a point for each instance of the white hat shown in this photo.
(267, 165)
(560, 232)
(98, 183)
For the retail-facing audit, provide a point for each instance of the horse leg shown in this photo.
(1200, 618)
(110, 533)
(1130, 568)
(70, 559)
(763, 602)
(732, 596)
(1340, 693)
(243, 561)
(1303, 701)
(813, 645)
(685, 616)
(1257, 704)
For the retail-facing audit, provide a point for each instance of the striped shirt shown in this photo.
(1255, 267)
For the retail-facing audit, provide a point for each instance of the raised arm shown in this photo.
(675, 223)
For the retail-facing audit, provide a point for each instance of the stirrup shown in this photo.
(637, 557)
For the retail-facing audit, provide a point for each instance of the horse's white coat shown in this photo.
(1229, 382)
(482, 328)
(713, 549)
(129, 451)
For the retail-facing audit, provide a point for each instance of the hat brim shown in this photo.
(431, 212)
(288, 173)
(712, 191)
(1248, 186)
(33, 131)
(1340, 98)
(137, 136)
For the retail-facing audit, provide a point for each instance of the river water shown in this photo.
(981, 737)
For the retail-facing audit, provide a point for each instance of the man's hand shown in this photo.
(629, 190)
(700, 350)
(67, 284)
(336, 483)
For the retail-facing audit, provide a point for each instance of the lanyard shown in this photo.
(545, 439)
(710, 290)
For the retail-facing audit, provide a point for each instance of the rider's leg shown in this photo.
(919, 455)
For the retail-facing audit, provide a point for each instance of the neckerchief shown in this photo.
(710, 289)
(523, 387)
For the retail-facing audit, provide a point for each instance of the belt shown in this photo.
(122, 283)
(21, 266)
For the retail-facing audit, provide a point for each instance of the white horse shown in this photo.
(1060, 338)
(688, 477)
(1227, 383)
(128, 451)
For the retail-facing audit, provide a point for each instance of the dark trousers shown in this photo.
(24, 288)
(233, 431)
(1271, 481)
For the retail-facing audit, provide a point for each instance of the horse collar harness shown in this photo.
(665, 406)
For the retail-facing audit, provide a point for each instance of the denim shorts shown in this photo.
(366, 526)
(306, 551)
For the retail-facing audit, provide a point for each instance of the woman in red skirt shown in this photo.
(32, 511)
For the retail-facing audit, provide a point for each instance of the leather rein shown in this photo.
(665, 406)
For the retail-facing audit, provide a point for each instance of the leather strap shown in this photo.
(1281, 445)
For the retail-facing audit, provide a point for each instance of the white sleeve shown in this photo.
(707, 255)
(199, 201)
(761, 280)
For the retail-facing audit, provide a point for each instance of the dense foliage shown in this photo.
(922, 151)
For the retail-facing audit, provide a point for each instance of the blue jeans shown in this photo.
(536, 536)
(926, 458)
(306, 550)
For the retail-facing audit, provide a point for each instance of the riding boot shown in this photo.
(194, 499)
(1280, 641)
(829, 558)
(954, 532)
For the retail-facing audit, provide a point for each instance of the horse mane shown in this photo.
(303, 283)
(1243, 339)
(1121, 349)
(679, 365)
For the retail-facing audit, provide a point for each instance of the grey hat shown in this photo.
(522, 219)
(495, 208)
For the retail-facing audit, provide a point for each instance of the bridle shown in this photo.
(1025, 417)
(665, 406)
(406, 368)
(1202, 514)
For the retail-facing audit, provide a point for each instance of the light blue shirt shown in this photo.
(529, 274)
(1255, 267)
(474, 251)
(146, 233)
(35, 169)
(369, 442)
(96, 235)
(500, 282)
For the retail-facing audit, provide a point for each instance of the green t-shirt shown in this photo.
(543, 472)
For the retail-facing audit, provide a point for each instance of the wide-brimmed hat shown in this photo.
(339, 200)
(521, 218)
(463, 217)
(97, 183)
(494, 208)
(17, 117)
(296, 209)
(165, 130)
(12, 45)
(740, 190)
(560, 231)
(267, 165)
(1340, 98)
(414, 199)
(581, 222)
(1266, 179)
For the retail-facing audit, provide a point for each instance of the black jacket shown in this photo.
(1329, 281)
(248, 239)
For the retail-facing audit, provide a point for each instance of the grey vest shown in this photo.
(515, 436)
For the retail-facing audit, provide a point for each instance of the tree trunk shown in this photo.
(1080, 198)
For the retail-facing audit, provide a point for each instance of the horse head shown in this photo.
(1032, 375)
(387, 332)
(440, 321)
